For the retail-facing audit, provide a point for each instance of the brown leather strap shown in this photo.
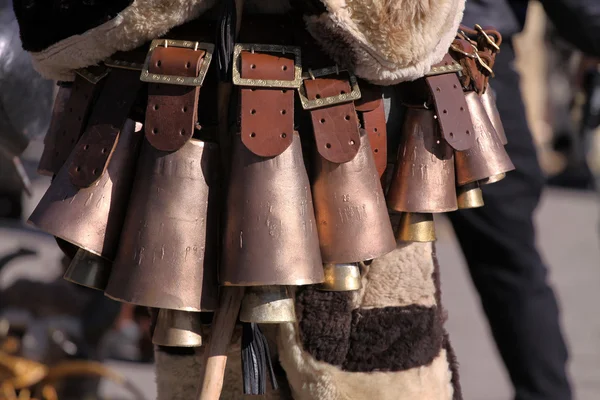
(373, 116)
(98, 142)
(267, 114)
(172, 110)
(451, 110)
(71, 126)
(47, 160)
(336, 127)
(472, 77)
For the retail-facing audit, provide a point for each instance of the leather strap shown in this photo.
(472, 77)
(452, 111)
(336, 127)
(373, 116)
(267, 114)
(172, 110)
(47, 160)
(67, 130)
(98, 142)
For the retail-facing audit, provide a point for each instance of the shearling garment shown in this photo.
(384, 41)
(347, 345)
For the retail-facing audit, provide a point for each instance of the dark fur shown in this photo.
(46, 22)
(324, 319)
(394, 338)
(453, 363)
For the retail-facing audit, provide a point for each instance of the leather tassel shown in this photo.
(256, 361)
(226, 38)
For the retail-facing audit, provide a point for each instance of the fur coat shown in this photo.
(384, 41)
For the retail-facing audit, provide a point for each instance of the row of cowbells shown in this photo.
(148, 229)
(431, 177)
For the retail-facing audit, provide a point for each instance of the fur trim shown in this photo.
(401, 278)
(315, 380)
(142, 21)
(387, 41)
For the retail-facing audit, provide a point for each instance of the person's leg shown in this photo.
(498, 241)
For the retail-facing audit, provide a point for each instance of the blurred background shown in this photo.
(558, 85)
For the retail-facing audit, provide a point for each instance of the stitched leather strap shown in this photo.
(47, 160)
(373, 116)
(336, 127)
(98, 142)
(451, 110)
(172, 110)
(267, 114)
(67, 131)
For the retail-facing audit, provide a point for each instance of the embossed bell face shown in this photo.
(270, 235)
(167, 255)
(90, 270)
(177, 329)
(267, 305)
(487, 158)
(423, 181)
(91, 218)
(469, 196)
(350, 208)
(341, 278)
(489, 104)
(416, 227)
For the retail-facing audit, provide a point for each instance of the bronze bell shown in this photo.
(350, 208)
(91, 218)
(493, 179)
(489, 104)
(176, 328)
(90, 270)
(423, 180)
(168, 250)
(416, 227)
(487, 158)
(270, 235)
(469, 196)
(267, 305)
(341, 278)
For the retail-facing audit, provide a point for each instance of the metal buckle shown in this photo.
(121, 64)
(268, 83)
(174, 79)
(445, 69)
(93, 74)
(328, 101)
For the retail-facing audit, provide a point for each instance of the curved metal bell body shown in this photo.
(423, 180)
(267, 305)
(89, 270)
(350, 208)
(487, 157)
(416, 227)
(270, 235)
(469, 196)
(341, 278)
(91, 218)
(489, 104)
(168, 249)
(176, 328)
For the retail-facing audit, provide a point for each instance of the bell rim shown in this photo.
(155, 305)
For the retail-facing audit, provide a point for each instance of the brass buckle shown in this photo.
(267, 83)
(332, 100)
(93, 74)
(174, 79)
(445, 69)
(121, 64)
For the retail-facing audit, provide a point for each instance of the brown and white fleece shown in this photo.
(384, 342)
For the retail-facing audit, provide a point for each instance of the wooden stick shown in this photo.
(215, 356)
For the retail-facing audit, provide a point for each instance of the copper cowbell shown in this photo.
(91, 218)
(270, 236)
(423, 180)
(350, 208)
(89, 270)
(167, 254)
(487, 158)
(489, 104)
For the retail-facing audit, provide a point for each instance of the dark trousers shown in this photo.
(498, 241)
